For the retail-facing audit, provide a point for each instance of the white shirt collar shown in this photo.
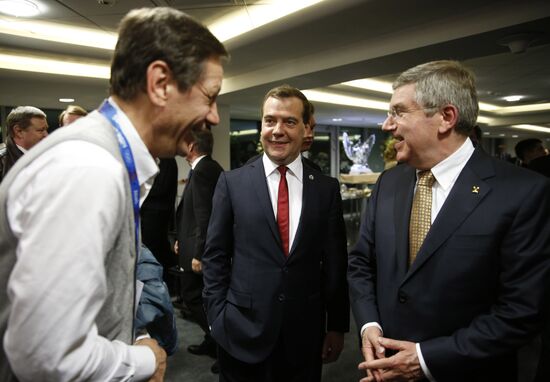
(295, 167)
(196, 161)
(23, 150)
(446, 171)
(146, 167)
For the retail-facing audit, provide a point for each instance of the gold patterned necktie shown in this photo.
(421, 213)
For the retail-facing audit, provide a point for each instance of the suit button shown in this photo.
(402, 297)
(285, 269)
(281, 297)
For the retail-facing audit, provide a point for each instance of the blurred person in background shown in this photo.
(27, 125)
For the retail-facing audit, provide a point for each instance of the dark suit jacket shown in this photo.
(253, 294)
(157, 213)
(9, 157)
(475, 291)
(194, 211)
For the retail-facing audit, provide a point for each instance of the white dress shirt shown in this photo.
(64, 209)
(294, 176)
(445, 173)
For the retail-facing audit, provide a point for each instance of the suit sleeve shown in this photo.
(362, 267)
(204, 184)
(517, 314)
(335, 265)
(216, 261)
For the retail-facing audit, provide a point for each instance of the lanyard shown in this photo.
(110, 112)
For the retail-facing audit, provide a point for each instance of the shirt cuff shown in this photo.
(368, 325)
(423, 364)
(144, 361)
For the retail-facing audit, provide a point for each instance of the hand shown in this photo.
(196, 266)
(176, 247)
(160, 358)
(371, 348)
(332, 346)
(403, 366)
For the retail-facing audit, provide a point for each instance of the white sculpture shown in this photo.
(358, 153)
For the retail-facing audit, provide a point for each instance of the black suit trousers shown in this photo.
(278, 367)
(191, 293)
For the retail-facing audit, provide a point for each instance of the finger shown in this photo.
(391, 344)
(381, 363)
(379, 349)
(368, 378)
(368, 353)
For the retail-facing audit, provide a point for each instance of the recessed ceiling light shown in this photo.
(515, 136)
(337, 119)
(502, 135)
(66, 100)
(486, 133)
(57, 32)
(17, 61)
(245, 19)
(540, 129)
(512, 98)
(19, 8)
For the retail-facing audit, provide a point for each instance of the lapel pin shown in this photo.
(475, 189)
(311, 177)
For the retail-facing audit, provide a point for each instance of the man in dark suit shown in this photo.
(455, 302)
(157, 216)
(192, 221)
(275, 259)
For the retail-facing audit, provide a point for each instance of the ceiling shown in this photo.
(321, 46)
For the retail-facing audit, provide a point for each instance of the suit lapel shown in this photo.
(402, 211)
(259, 183)
(186, 191)
(308, 189)
(468, 191)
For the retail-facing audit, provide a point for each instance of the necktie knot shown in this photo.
(282, 170)
(426, 178)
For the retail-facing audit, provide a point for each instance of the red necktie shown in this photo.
(282, 209)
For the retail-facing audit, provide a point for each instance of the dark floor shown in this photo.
(184, 366)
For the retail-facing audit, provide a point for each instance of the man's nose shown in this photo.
(388, 124)
(213, 118)
(278, 129)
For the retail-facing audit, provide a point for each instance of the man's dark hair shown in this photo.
(161, 33)
(203, 139)
(287, 91)
(526, 145)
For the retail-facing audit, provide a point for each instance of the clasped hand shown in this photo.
(402, 366)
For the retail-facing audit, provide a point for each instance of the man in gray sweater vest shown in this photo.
(69, 209)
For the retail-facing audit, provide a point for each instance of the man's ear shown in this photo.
(17, 132)
(159, 81)
(449, 116)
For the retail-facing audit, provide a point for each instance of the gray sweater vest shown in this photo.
(115, 319)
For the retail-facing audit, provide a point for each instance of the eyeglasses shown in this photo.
(397, 114)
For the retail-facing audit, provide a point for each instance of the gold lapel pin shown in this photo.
(311, 177)
(475, 189)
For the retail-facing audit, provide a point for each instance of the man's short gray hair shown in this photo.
(440, 83)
